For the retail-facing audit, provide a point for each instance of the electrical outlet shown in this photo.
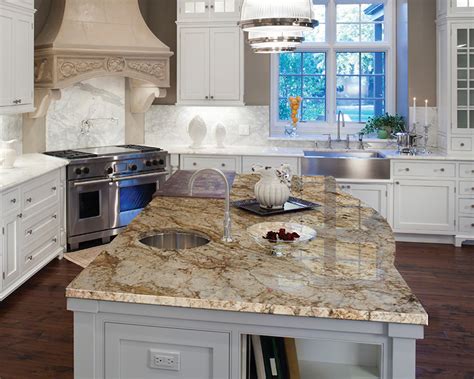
(165, 360)
(244, 129)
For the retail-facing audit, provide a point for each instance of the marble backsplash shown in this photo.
(101, 102)
(167, 125)
(11, 128)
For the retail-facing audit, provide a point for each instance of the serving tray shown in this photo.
(292, 205)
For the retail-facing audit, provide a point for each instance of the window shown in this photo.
(465, 3)
(345, 65)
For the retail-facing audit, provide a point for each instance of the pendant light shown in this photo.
(276, 25)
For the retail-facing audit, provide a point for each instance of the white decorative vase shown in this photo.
(221, 133)
(8, 153)
(197, 130)
(273, 189)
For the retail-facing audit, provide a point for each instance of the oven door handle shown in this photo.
(91, 182)
(139, 176)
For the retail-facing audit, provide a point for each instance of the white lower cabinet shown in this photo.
(136, 351)
(32, 225)
(198, 162)
(374, 195)
(424, 206)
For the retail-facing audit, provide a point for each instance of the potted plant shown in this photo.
(385, 125)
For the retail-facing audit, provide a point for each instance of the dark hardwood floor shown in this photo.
(36, 329)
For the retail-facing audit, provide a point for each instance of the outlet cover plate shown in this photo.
(165, 360)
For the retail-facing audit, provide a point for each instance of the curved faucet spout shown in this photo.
(227, 219)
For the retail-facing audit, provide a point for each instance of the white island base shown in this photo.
(126, 340)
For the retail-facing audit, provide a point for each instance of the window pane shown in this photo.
(360, 94)
(360, 22)
(290, 63)
(319, 33)
(309, 83)
(348, 12)
(348, 33)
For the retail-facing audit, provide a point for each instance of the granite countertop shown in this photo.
(298, 152)
(27, 167)
(347, 272)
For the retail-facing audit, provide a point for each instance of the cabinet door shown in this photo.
(374, 195)
(424, 206)
(193, 10)
(225, 63)
(11, 249)
(225, 10)
(23, 58)
(463, 78)
(194, 63)
(7, 27)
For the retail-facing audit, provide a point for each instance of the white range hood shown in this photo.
(83, 39)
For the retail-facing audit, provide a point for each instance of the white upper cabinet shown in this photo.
(208, 10)
(16, 60)
(210, 66)
(455, 8)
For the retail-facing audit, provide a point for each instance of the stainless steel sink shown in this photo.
(174, 240)
(346, 164)
(343, 154)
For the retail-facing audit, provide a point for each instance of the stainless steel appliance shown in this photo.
(107, 187)
(407, 142)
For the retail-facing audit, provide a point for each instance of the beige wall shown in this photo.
(422, 50)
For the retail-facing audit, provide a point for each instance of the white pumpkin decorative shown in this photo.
(221, 133)
(197, 130)
(273, 189)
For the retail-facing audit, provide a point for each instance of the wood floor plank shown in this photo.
(36, 332)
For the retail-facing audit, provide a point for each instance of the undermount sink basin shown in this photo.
(346, 164)
(343, 154)
(174, 240)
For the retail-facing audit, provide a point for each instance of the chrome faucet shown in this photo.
(329, 140)
(227, 220)
(340, 115)
(361, 141)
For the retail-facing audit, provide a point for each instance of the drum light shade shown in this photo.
(276, 25)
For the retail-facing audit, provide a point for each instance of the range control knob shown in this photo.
(109, 170)
(133, 167)
(85, 170)
(78, 171)
(155, 162)
(148, 163)
(161, 162)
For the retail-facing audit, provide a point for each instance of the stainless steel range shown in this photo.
(107, 187)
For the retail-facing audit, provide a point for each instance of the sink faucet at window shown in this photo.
(340, 115)
(227, 220)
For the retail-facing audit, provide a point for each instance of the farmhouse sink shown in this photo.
(346, 164)
(174, 240)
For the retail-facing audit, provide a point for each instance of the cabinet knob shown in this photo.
(54, 216)
(442, 170)
(13, 201)
(207, 97)
(462, 144)
(397, 183)
(53, 188)
(472, 206)
(212, 6)
(194, 164)
(207, 6)
(30, 258)
(407, 169)
(223, 164)
(54, 240)
(29, 200)
(30, 232)
(20, 215)
(19, 101)
(212, 97)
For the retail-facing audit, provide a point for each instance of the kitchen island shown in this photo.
(339, 296)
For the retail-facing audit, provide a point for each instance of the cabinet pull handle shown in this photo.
(30, 258)
(13, 201)
(19, 101)
(472, 189)
(53, 188)
(54, 240)
(397, 183)
(30, 232)
(20, 215)
(472, 225)
(29, 200)
(472, 206)
(54, 216)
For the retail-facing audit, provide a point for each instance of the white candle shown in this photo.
(414, 110)
(426, 112)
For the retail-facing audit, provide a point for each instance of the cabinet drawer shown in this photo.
(466, 206)
(230, 163)
(40, 193)
(43, 246)
(422, 169)
(466, 170)
(249, 161)
(39, 224)
(466, 225)
(11, 201)
(466, 188)
(461, 144)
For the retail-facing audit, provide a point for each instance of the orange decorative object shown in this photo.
(295, 103)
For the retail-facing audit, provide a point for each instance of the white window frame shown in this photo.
(331, 47)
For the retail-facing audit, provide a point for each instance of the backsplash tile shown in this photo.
(100, 100)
